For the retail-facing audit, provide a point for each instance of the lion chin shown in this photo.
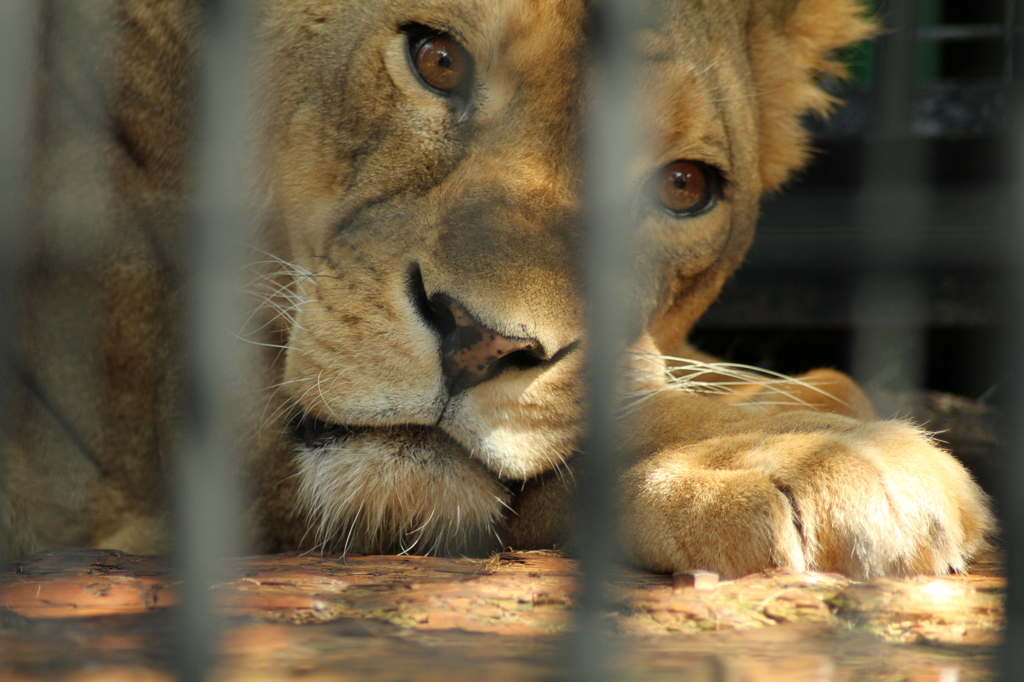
(399, 490)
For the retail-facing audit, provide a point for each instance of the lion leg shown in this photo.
(731, 522)
(803, 489)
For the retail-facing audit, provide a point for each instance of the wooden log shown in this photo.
(422, 618)
(528, 593)
(78, 583)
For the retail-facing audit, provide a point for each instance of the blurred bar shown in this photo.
(611, 141)
(208, 493)
(1011, 490)
(889, 345)
(19, 21)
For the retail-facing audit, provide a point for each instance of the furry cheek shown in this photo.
(335, 334)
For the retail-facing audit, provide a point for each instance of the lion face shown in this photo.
(424, 165)
(422, 346)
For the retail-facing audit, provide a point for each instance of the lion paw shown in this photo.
(864, 499)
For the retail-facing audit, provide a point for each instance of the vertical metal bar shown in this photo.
(1010, 499)
(18, 29)
(611, 141)
(208, 494)
(890, 307)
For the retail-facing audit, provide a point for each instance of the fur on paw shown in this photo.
(867, 499)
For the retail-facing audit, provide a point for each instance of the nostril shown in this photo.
(435, 313)
(523, 358)
(417, 293)
(442, 320)
(471, 352)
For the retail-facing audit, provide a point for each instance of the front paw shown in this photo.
(864, 499)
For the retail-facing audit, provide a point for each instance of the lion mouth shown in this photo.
(315, 433)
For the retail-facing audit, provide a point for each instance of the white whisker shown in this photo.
(669, 373)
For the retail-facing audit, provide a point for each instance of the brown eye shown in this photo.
(687, 187)
(442, 63)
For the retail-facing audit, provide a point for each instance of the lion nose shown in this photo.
(471, 353)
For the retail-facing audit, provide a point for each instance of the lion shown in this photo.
(421, 332)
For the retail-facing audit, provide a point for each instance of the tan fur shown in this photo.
(381, 197)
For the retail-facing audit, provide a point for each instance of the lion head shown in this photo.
(423, 170)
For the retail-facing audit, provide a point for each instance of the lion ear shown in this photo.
(793, 43)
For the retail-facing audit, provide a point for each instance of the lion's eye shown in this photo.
(687, 188)
(441, 62)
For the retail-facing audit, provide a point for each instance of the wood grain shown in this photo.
(72, 613)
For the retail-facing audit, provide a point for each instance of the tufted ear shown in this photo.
(793, 43)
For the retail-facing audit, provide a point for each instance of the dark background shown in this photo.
(791, 307)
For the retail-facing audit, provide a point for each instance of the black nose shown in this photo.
(472, 353)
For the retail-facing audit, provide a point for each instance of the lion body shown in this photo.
(400, 219)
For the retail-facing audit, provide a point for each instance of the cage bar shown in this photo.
(1011, 503)
(208, 495)
(894, 202)
(18, 21)
(612, 137)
